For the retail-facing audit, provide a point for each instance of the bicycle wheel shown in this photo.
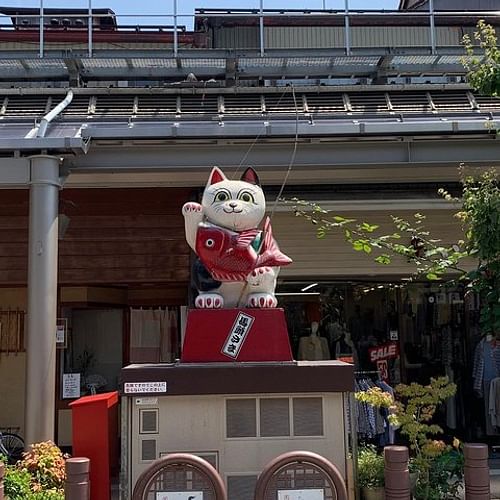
(14, 446)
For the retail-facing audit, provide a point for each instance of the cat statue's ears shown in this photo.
(249, 175)
(216, 175)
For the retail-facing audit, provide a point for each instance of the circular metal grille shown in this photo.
(300, 476)
(180, 472)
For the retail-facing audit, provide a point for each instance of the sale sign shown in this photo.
(385, 351)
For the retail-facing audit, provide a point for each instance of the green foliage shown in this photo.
(483, 72)
(439, 466)
(47, 495)
(40, 475)
(370, 468)
(431, 258)
(481, 218)
(17, 484)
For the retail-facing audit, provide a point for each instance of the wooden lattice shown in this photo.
(11, 331)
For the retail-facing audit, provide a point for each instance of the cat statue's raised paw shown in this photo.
(237, 263)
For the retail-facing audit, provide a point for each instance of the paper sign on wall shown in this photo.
(71, 385)
(181, 495)
(316, 494)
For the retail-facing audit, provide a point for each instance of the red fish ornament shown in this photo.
(231, 256)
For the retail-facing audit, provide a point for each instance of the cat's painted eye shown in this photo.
(221, 196)
(246, 197)
(209, 243)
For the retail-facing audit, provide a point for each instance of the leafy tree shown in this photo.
(483, 71)
(478, 210)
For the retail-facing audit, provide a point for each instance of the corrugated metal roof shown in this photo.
(139, 106)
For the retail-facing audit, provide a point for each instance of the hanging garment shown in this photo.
(313, 348)
(486, 365)
(494, 402)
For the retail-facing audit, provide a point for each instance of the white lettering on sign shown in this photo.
(383, 352)
(180, 495)
(144, 387)
(315, 494)
(237, 335)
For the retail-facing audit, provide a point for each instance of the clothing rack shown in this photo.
(361, 373)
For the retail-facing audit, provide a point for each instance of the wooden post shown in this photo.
(77, 486)
(2, 472)
(397, 475)
(476, 472)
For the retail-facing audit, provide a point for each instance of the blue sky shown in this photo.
(187, 6)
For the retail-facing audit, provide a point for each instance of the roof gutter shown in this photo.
(42, 128)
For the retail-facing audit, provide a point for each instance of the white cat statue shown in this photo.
(237, 263)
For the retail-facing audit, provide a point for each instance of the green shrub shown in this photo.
(370, 468)
(17, 484)
(47, 495)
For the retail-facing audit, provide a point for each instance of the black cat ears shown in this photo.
(249, 175)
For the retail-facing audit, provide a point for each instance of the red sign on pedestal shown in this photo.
(228, 335)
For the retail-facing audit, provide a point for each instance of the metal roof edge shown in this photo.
(44, 143)
(29, 91)
(283, 128)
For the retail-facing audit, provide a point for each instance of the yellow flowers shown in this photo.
(456, 443)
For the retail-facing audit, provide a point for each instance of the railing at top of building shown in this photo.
(89, 21)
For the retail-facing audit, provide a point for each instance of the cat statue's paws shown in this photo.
(262, 276)
(209, 301)
(192, 208)
(262, 300)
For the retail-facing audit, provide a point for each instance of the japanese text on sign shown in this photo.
(71, 385)
(237, 335)
(144, 387)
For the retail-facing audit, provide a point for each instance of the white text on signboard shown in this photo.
(237, 335)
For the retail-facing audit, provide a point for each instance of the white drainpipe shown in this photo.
(42, 129)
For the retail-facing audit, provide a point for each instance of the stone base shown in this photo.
(229, 335)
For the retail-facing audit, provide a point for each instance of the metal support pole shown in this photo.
(176, 39)
(397, 475)
(42, 300)
(41, 29)
(77, 485)
(476, 472)
(433, 27)
(90, 27)
(261, 29)
(347, 29)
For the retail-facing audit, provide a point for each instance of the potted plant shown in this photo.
(436, 468)
(371, 473)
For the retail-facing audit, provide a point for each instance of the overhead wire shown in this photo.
(292, 158)
(263, 128)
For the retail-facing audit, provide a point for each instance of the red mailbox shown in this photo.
(95, 436)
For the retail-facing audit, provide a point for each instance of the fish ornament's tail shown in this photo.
(271, 254)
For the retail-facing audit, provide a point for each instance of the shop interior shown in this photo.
(399, 333)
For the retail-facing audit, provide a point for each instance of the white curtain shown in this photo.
(153, 335)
